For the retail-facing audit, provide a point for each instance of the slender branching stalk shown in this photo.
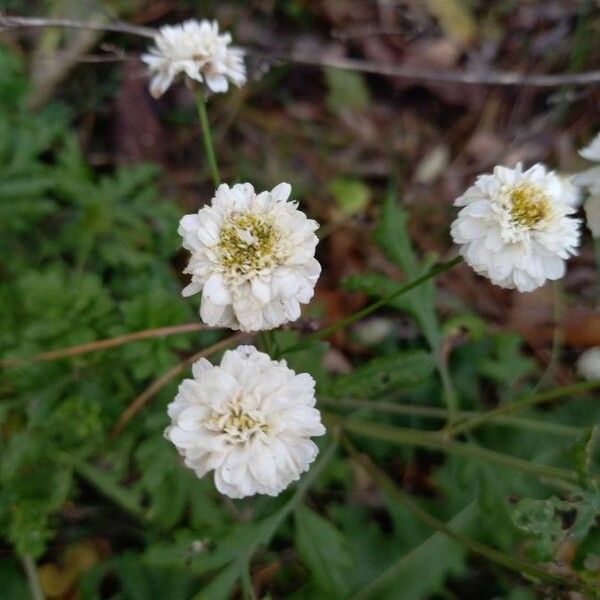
(522, 403)
(32, 577)
(509, 561)
(371, 308)
(207, 138)
(435, 441)
(431, 412)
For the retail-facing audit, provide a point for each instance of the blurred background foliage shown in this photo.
(94, 176)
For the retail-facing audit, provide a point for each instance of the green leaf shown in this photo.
(384, 373)
(221, 586)
(29, 529)
(324, 550)
(378, 286)
(351, 195)
(508, 363)
(585, 454)
(391, 235)
(541, 520)
(423, 570)
(347, 90)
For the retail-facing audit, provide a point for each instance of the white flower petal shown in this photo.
(281, 192)
(588, 364)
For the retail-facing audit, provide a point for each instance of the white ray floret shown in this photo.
(588, 364)
(252, 256)
(249, 420)
(515, 227)
(590, 180)
(199, 51)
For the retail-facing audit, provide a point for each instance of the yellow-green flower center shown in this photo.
(528, 204)
(247, 243)
(236, 424)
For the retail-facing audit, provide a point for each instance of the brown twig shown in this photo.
(140, 401)
(103, 344)
(10, 22)
(501, 78)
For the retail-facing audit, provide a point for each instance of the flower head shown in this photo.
(588, 364)
(196, 49)
(590, 180)
(515, 228)
(252, 257)
(250, 419)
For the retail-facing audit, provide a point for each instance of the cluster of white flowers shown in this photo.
(197, 49)
(249, 420)
(516, 228)
(252, 257)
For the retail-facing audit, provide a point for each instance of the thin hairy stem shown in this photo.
(558, 335)
(240, 566)
(342, 323)
(435, 441)
(517, 405)
(207, 138)
(506, 560)
(32, 577)
(431, 412)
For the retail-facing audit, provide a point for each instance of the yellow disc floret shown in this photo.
(528, 204)
(248, 244)
(235, 424)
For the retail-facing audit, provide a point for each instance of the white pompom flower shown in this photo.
(588, 364)
(590, 180)
(515, 227)
(252, 256)
(249, 420)
(198, 50)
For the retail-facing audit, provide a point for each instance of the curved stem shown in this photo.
(520, 404)
(317, 335)
(432, 412)
(558, 335)
(207, 138)
(119, 340)
(506, 560)
(32, 577)
(434, 441)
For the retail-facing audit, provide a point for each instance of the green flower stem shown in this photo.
(558, 335)
(240, 566)
(32, 577)
(435, 441)
(431, 412)
(517, 405)
(207, 138)
(342, 323)
(450, 397)
(506, 560)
